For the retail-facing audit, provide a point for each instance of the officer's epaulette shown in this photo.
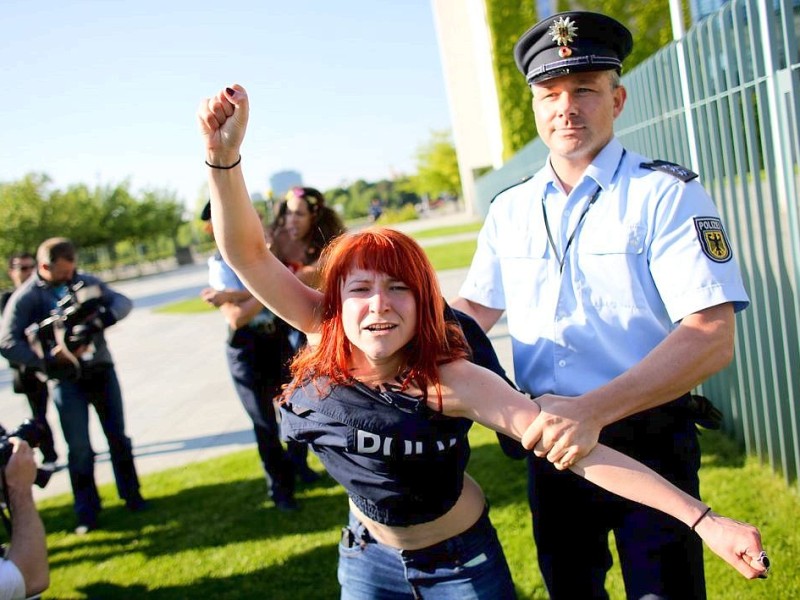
(513, 185)
(670, 168)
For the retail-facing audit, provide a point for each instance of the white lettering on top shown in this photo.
(372, 443)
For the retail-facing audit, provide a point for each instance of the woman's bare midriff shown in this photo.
(462, 516)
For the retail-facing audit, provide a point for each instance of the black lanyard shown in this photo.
(561, 259)
(594, 197)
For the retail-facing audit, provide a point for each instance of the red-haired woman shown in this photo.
(386, 399)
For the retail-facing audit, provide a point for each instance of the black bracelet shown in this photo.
(238, 160)
(701, 517)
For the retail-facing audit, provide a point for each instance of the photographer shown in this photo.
(23, 570)
(54, 323)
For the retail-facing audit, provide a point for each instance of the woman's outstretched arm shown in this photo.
(237, 226)
(478, 394)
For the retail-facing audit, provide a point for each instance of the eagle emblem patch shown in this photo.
(712, 239)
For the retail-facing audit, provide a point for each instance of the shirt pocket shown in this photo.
(523, 262)
(612, 266)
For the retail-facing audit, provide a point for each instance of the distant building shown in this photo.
(282, 181)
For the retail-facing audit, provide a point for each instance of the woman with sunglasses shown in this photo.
(386, 399)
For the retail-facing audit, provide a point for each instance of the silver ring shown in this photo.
(764, 560)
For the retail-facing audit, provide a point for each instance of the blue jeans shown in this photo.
(98, 387)
(469, 566)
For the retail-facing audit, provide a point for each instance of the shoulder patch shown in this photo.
(712, 239)
(670, 168)
(513, 185)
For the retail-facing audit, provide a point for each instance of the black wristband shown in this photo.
(701, 517)
(238, 160)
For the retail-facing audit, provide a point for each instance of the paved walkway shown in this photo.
(180, 405)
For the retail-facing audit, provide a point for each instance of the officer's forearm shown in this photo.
(698, 348)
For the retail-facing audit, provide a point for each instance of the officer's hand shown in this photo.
(223, 122)
(564, 432)
(212, 296)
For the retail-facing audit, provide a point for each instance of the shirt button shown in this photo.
(562, 363)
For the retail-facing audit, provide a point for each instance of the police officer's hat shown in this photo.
(571, 42)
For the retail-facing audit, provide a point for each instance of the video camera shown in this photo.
(32, 433)
(77, 317)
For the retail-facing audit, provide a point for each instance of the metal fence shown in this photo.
(725, 100)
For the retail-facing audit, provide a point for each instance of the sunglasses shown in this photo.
(23, 267)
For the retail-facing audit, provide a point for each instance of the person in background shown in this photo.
(375, 209)
(620, 287)
(302, 227)
(257, 349)
(77, 360)
(24, 570)
(20, 267)
(386, 398)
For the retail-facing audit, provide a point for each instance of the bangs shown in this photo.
(379, 253)
(382, 250)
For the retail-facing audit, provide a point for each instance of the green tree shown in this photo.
(507, 22)
(437, 167)
(22, 206)
(108, 216)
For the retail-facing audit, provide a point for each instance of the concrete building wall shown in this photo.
(465, 51)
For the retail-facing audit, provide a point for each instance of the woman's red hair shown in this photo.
(397, 255)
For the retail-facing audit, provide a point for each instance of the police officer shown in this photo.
(257, 350)
(620, 286)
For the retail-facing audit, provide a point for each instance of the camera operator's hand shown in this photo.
(81, 334)
(64, 356)
(28, 548)
(64, 364)
(21, 467)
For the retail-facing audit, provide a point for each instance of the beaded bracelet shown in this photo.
(238, 160)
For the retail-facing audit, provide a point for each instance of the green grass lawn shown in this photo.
(211, 533)
(448, 230)
(187, 306)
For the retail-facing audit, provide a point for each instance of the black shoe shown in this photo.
(136, 504)
(285, 504)
(308, 475)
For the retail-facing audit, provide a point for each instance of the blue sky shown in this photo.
(97, 92)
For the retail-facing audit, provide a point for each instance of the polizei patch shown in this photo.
(712, 239)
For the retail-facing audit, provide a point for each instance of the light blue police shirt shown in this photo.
(221, 276)
(650, 251)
